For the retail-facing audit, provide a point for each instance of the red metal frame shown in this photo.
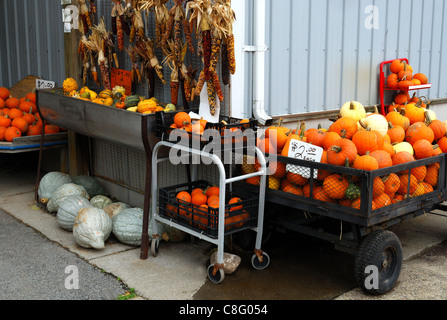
(384, 88)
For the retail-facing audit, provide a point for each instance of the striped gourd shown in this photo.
(131, 101)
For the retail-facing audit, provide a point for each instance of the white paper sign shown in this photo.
(44, 84)
(303, 151)
(204, 107)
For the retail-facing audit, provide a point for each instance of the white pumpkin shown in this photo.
(49, 183)
(403, 146)
(353, 109)
(69, 209)
(100, 201)
(63, 191)
(128, 226)
(92, 227)
(374, 121)
(114, 208)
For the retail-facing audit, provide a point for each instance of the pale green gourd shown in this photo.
(128, 225)
(114, 208)
(63, 191)
(91, 185)
(92, 227)
(100, 201)
(49, 183)
(69, 209)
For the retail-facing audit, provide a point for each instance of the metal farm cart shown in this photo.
(214, 223)
(352, 208)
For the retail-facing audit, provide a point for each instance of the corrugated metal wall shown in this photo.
(322, 54)
(31, 40)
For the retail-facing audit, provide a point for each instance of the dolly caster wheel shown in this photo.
(260, 261)
(155, 247)
(215, 276)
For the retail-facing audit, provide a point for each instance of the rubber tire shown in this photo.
(371, 252)
(218, 278)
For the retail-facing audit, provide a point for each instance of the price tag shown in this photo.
(122, 78)
(303, 151)
(44, 84)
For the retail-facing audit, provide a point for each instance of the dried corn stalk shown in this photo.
(161, 16)
(222, 18)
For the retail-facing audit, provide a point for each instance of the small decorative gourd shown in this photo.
(100, 201)
(114, 208)
(69, 209)
(62, 192)
(128, 226)
(92, 227)
(49, 183)
(91, 185)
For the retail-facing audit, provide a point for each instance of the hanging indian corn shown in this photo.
(188, 35)
(231, 54)
(216, 85)
(216, 42)
(211, 97)
(225, 71)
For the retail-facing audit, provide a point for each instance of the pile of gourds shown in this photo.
(19, 117)
(364, 141)
(83, 207)
(115, 98)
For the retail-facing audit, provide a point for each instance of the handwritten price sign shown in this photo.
(122, 78)
(44, 84)
(304, 151)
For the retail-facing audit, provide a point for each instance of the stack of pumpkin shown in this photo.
(19, 117)
(200, 209)
(402, 77)
(364, 141)
(82, 207)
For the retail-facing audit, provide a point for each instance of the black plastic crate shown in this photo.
(226, 126)
(206, 221)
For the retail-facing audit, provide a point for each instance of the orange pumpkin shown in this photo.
(335, 186)
(341, 150)
(418, 131)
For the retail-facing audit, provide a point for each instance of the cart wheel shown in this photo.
(260, 265)
(382, 249)
(155, 247)
(218, 277)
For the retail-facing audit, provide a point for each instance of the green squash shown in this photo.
(91, 185)
(100, 201)
(127, 226)
(49, 183)
(132, 101)
(69, 209)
